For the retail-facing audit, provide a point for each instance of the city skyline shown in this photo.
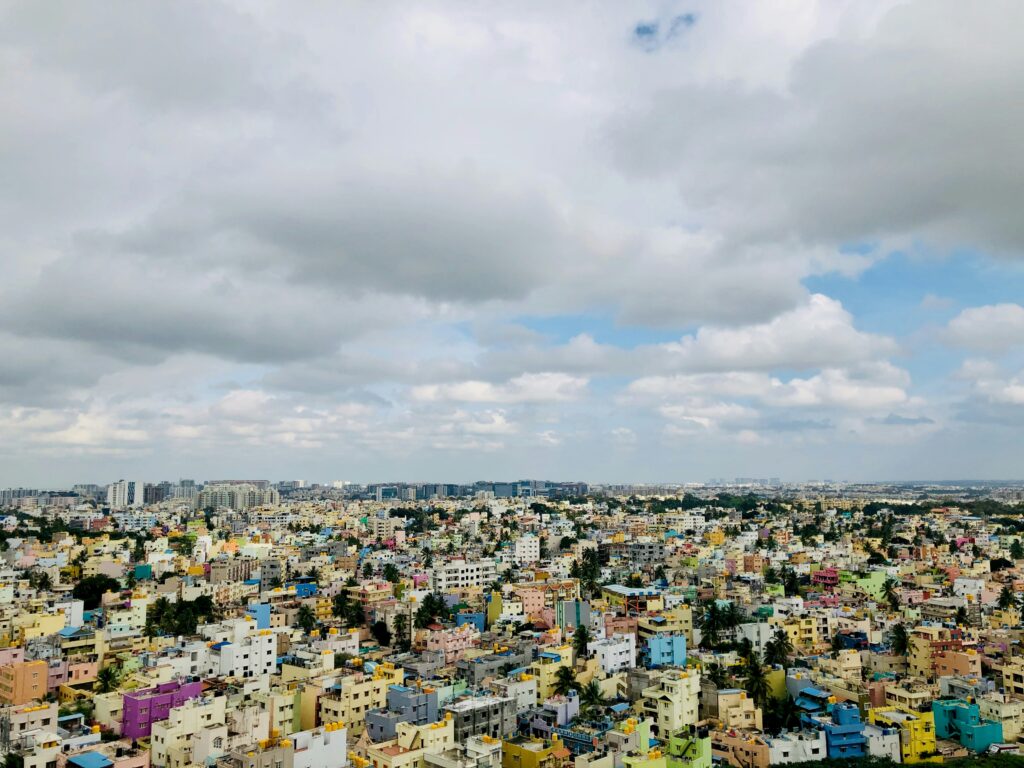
(644, 243)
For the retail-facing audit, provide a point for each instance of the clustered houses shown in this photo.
(527, 626)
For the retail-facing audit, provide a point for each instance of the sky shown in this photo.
(603, 241)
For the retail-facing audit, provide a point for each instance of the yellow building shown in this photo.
(522, 752)
(917, 732)
(410, 744)
(545, 667)
(673, 702)
(1013, 679)
(676, 621)
(802, 631)
(357, 695)
(737, 710)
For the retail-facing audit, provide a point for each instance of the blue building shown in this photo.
(844, 730)
(812, 701)
(467, 617)
(664, 650)
(961, 721)
(261, 613)
(405, 704)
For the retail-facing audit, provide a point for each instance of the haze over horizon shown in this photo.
(618, 242)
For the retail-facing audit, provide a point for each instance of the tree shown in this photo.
(733, 616)
(716, 674)
(660, 574)
(306, 619)
(961, 616)
(755, 682)
(565, 680)
(580, 641)
(778, 650)
(899, 640)
(1006, 598)
(354, 615)
(591, 697)
(711, 624)
(889, 592)
(339, 604)
(836, 641)
(745, 648)
(1017, 550)
(381, 633)
(781, 714)
(367, 571)
(107, 679)
(402, 633)
(91, 589)
(391, 573)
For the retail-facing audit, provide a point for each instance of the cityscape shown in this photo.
(535, 384)
(752, 623)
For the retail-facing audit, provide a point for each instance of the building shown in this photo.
(526, 550)
(664, 650)
(961, 721)
(24, 681)
(491, 716)
(405, 704)
(672, 702)
(457, 574)
(236, 496)
(144, 707)
(916, 730)
(615, 653)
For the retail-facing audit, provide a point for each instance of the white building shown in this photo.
(323, 747)
(884, 742)
(459, 574)
(615, 653)
(527, 550)
(126, 493)
(797, 747)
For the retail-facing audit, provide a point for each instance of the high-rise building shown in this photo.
(126, 493)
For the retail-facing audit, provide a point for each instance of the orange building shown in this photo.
(23, 682)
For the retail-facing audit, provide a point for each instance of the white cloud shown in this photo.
(813, 335)
(994, 328)
(528, 388)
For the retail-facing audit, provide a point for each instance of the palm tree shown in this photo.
(591, 697)
(733, 616)
(755, 681)
(716, 674)
(899, 640)
(778, 650)
(107, 679)
(339, 606)
(565, 680)
(402, 632)
(711, 623)
(1006, 598)
(744, 648)
(306, 619)
(890, 594)
(580, 640)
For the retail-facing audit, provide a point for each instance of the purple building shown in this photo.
(144, 707)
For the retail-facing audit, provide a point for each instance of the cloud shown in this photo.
(995, 328)
(817, 334)
(432, 239)
(905, 132)
(528, 388)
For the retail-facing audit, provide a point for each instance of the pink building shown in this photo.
(453, 642)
